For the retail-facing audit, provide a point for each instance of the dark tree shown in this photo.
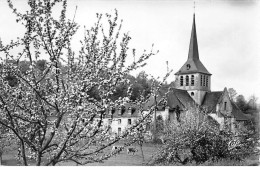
(241, 103)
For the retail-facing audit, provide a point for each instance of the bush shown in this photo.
(196, 140)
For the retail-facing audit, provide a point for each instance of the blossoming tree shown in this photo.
(49, 111)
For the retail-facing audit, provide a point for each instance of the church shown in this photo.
(192, 89)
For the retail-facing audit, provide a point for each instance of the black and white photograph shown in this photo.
(138, 83)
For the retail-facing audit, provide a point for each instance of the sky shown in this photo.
(228, 34)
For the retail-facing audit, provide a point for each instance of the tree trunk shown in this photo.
(39, 159)
(141, 147)
(154, 122)
(1, 155)
(23, 153)
(1, 158)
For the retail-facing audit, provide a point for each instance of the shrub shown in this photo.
(196, 140)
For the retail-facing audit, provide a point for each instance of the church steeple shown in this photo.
(193, 63)
(193, 49)
(193, 76)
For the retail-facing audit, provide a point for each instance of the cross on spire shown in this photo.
(194, 6)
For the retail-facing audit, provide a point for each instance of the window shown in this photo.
(192, 80)
(187, 80)
(225, 105)
(119, 131)
(181, 81)
(129, 122)
(159, 118)
(188, 66)
(119, 121)
(207, 81)
(201, 80)
(192, 94)
(204, 80)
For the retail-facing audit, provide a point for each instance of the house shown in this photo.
(120, 118)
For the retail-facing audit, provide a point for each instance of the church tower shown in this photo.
(193, 76)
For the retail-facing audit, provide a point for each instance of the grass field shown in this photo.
(124, 159)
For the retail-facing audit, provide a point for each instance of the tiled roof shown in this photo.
(237, 113)
(151, 101)
(125, 112)
(173, 101)
(211, 99)
(195, 67)
(184, 97)
(175, 97)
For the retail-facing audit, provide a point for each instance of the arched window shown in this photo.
(192, 80)
(207, 81)
(192, 93)
(181, 81)
(201, 80)
(204, 80)
(187, 80)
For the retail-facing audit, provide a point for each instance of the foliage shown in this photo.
(253, 102)
(249, 108)
(158, 130)
(196, 139)
(159, 124)
(241, 103)
(140, 86)
(232, 93)
(49, 109)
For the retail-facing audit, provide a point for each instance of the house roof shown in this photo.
(211, 99)
(174, 97)
(237, 113)
(184, 97)
(159, 95)
(127, 110)
(173, 101)
(193, 64)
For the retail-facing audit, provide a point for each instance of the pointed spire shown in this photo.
(193, 64)
(193, 50)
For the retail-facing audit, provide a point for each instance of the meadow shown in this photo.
(124, 159)
(121, 159)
